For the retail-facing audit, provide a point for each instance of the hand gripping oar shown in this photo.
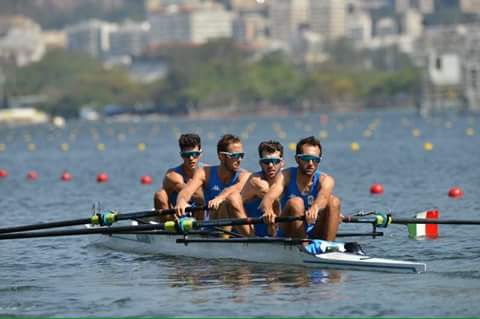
(182, 226)
(187, 224)
(103, 219)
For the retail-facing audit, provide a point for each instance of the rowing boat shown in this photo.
(203, 239)
(256, 249)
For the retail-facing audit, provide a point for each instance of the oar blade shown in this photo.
(424, 231)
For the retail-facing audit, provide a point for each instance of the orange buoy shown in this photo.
(376, 189)
(102, 177)
(32, 175)
(455, 192)
(3, 173)
(146, 180)
(66, 176)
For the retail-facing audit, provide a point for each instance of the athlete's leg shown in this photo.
(160, 202)
(231, 208)
(328, 220)
(235, 209)
(296, 229)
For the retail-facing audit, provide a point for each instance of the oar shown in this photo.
(182, 226)
(106, 218)
(382, 220)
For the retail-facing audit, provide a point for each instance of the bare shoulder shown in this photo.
(244, 173)
(256, 179)
(202, 172)
(171, 176)
(326, 179)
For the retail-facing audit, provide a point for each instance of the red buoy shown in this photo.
(32, 176)
(146, 180)
(455, 192)
(102, 177)
(3, 173)
(376, 189)
(66, 176)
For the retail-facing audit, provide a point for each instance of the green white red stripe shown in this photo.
(429, 231)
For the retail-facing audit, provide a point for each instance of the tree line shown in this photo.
(220, 74)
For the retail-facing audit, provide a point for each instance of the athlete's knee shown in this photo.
(160, 199)
(295, 205)
(333, 210)
(334, 203)
(234, 199)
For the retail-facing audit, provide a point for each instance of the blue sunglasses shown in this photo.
(270, 160)
(235, 156)
(189, 154)
(307, 158)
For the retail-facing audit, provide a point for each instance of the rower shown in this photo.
(247, 202)
(218, 182)
(304, 190)
(177, 177)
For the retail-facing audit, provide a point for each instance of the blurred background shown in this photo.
(62, 59)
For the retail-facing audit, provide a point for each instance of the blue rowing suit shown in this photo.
(293, 191)
(172, 197)
(252, 209)
(215, 185)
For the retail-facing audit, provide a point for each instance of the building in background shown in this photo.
(450, 59)
(250, 29)
(470, 6)
(54, 39)
(248, 5)
(91, 37)
(423, 6)
(412, 23)
(386, 27)
(359, 28)
(194, 23)
(130, 38)
(286, 19)
(328, 18)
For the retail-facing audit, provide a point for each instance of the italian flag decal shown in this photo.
(428, 231)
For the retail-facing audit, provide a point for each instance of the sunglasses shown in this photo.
(270, 160)
(235, 156)
(189, 154)
(307, 158)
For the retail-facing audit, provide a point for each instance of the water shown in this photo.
(69, 277)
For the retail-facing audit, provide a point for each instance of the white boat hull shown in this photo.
(263, 252)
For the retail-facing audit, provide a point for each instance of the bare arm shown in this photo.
(273, 194)
(198, 179)
(254, 187)
(237, 187)
(173, 182)
(327, 183)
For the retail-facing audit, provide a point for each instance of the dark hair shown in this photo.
(189, 140)
(311, 140)
(225, 141)
(270, 147)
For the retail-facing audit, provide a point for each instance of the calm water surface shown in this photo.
(69, 277)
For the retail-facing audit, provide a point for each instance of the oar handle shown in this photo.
(153, 213)
(106, 219)
(172, 226)
(243, 221)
